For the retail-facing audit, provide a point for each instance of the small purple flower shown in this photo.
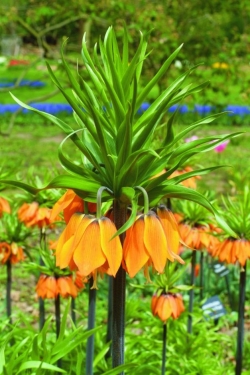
(221, 147)
(190, 139)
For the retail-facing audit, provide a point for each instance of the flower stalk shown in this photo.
(119, 290)
(110, 314)
(91, 325)
(8, 290)
(58, 322)
(201, 275)
(164, 349)
(241, 310)
(41, 300)
(73, 307)
(191, 292)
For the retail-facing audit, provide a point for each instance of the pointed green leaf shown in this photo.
(156, 78)
(37, 365)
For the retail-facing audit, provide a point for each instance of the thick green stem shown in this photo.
(241, 310)
(119, 290)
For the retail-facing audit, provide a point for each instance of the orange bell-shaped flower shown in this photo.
(11, 251)
(50, 287)
(32, 215)
(86, 242)
(233, 250)
(70, 203)
(167, 305)
(4, 206)
(146, 241)
(198, 237)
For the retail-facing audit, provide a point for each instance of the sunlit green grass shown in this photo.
(34, 143)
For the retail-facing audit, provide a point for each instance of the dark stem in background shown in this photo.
(110, 315)
(164, 349)
(73, 308)
(119, 290)
(191, 292)
(8, 290)
(91, 325)
(41, 300)
(58, 323)
(228, 291)
(169, 205)
(201, 275)
(57, 315)
(241, 309)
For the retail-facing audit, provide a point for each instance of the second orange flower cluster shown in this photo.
(167, 305)
(51, 287)
(11, 252)
(230, 250)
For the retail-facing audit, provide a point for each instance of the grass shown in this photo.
(34, 142)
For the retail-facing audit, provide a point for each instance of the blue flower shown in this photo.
(240, 110)
(143, 108)
(203, 109)
(180, 108)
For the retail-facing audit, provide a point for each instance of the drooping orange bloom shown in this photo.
(167, 305)
(11, 251)
(4, 206)
(86, 243)
(5, 252)
(70, 204)
(233, 250)
(33, 215)
(189, 182)
(66, 287)
(146, 242)
(80, 280)
(50, 287)
(170, 227)
(197, 237)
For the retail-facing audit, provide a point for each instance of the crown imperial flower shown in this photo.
(167, 305)
(87, 243)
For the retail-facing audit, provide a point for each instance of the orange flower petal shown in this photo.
(88, 255)
(51, 287)
(166, 310)
(154, 303)
(86, 220)
(242, 251)
(155, 241)
(68, 231)
(65, 255)
(60, 205)
(66, 288)
(134, 251)
(170, 227)
(224, 253)
(174, 306)
(112, 249)
(5, 206)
